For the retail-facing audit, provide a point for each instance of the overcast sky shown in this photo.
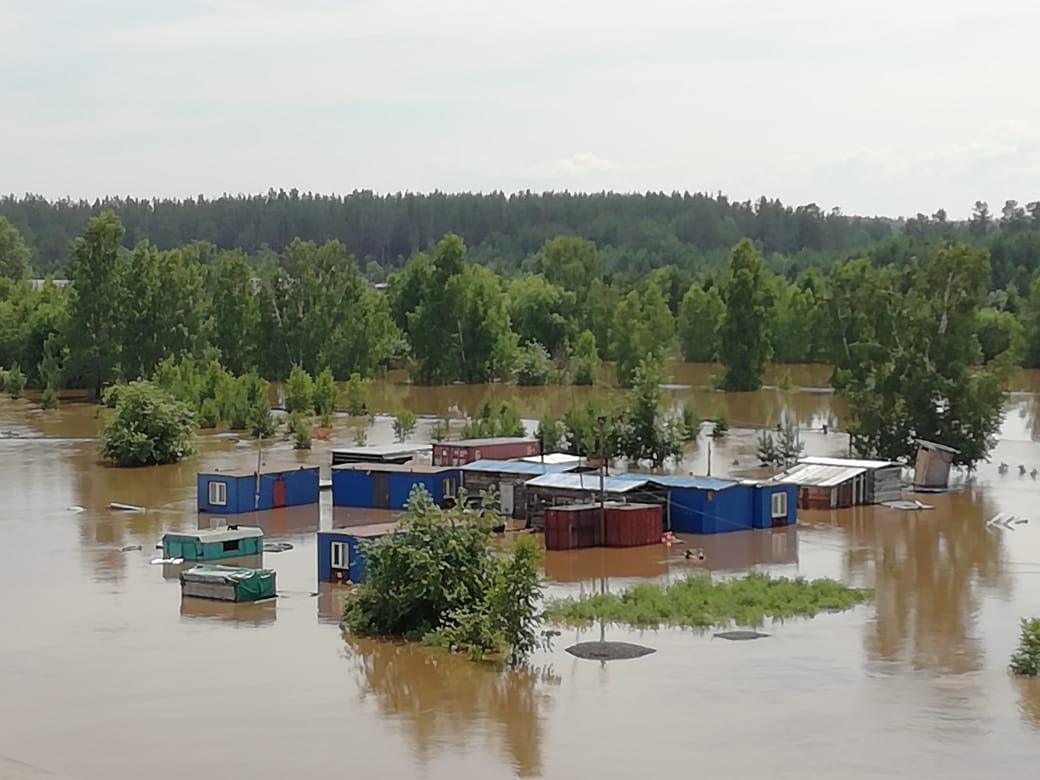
(877, 107)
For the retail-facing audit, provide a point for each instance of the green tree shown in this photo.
(1001, 336)
(235, 311)
(356, 396)
(700, 317)
(570, 263)
(299, 392)
(643, 325)
(584, 361)
(94, 300)
(404, 425)
(643, 433)
(149, 427)
(533, 365)
(14, 254)
(744, 347)
(541, 312)
(920, 376)
(514, 597)
(326, 394)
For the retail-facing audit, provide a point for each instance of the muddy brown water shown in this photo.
(106, 673)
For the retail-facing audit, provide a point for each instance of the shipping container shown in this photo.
(633, 525)
(459, 453)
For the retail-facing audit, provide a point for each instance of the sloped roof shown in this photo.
(696, 483)
(515, 467)
(555, 458)
(224, 534)
(267, 468)
(811, 475)
(589, 482)
(870, 465)
(487, 442)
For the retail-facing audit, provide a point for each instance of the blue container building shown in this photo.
(388, 485)
(235, 492)
(341, 557)
(705, 505)
(776, 505)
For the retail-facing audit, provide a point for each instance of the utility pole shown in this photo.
(602, 421)
(259, 465)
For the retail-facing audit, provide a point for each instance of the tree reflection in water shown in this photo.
(441, 697)
(1029, 700)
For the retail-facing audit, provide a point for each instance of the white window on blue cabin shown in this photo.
(778, 505)
(218, 493)
(340, 555)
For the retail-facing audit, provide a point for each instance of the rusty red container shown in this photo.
(634, 525)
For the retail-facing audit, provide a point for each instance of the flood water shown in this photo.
(106, 674)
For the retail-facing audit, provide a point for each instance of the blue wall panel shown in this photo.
(301, 488)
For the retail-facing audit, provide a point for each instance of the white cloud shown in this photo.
(582, 164)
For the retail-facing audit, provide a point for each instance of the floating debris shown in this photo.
(75, 509)
(125, 507)
(129, 547)
(608, 651)
(275, 547)
(907, 506)
(740, 636)
(174, 561)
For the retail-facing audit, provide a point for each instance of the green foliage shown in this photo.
(326, 394)
(533, 365)
(744, 346)
(783, 449)
(700, 602)
(253, 407)
(541, 312)
(699, 321)
(13, 381)
(581, 429)
(1026, 659)
(355, 395)
(785, 382)
(721, 425)
(301, 431)
(149, 427)
(551, 434)
(441, 430)
(691, 421)
(49, 398)
(360, 437)
(642, 432)
(404, 425)
(585, 362)
(438, 579)
(913, 369)
(503, 420)
(299, 392)
(1001, 336)
(643, 325)
(14, 254)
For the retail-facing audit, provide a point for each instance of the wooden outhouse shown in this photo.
(933, 464)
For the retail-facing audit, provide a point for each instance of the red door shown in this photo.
(279, 493)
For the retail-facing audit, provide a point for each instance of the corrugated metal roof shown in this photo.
(569, 481)
(394, 468)
(811, 475)
(556, 458)
(487, 442)
(515, 467)
(870, 465)
(226, 534)
(695, 483)
(383, 450)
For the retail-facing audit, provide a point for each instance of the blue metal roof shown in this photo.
(621, 483)
(696, 483)
(516, 467)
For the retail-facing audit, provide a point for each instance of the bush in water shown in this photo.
(1026, 660)
(149, 427)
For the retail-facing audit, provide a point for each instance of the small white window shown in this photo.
(476, 455)
(218, 493)
(779, 505)
(448, 487)
(340, 555)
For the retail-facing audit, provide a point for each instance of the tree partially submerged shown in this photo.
(148, 428)
(438, 580)
(913, 368)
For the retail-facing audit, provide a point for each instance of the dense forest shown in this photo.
(531, 288)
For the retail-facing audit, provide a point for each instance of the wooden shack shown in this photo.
(933, 464)
(826, 487)
(564, 488)
(884, 480)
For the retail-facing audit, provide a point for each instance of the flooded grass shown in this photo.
(699, 602)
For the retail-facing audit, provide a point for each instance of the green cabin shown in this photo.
(228, 583)
(213, 544)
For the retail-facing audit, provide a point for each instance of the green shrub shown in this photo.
(325, 394)
(299, 391)
(209, 414)
(533, 365)
(301, 431)
(14, 381)
(404, 425)
(355, 396)
(691, 422)
(585, 360)
(49, 398)
(1026, 659)
(440, 430)
(149, 427)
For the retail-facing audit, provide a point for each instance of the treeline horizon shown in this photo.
(635, 233)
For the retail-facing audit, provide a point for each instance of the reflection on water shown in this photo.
(1029, 700)
(446, 700)
(248, 614)
(927, 569)
(331, 598)
(274, 522)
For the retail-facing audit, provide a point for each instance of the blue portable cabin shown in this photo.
(388, 485)
(340, 554)
(234, 492)
(706, 505)
(213, 544)
(776, 504)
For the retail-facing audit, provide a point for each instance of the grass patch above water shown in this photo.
(697, 601)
